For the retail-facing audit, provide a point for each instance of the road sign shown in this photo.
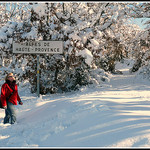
(38, 47)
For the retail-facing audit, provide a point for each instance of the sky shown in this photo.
(140, 23)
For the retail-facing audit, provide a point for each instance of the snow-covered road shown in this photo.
(115, 115)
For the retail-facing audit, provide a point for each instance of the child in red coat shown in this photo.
(9, 98)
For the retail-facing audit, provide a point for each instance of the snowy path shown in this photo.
(117, 115)
(129, 101)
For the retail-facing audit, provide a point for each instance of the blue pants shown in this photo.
(10, 114)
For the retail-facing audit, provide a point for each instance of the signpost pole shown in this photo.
(38, 79)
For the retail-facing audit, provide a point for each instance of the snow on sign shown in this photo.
(38, 47)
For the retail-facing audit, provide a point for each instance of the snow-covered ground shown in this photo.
(113, 115)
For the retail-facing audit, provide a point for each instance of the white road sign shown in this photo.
(38, 47)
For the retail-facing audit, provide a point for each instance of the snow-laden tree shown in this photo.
(141, 42)
(94, 36)
(15, 12)
(71, 23)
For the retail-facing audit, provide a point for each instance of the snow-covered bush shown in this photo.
(144, 71)
(58, 73)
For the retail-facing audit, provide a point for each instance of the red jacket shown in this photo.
(6, 91)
